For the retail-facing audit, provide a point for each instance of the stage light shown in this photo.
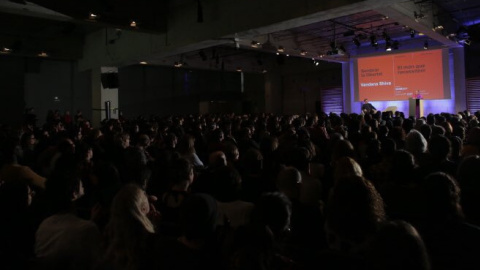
(5, 50)
(373, 41)
(425, 45)
(395, 45)
(333, 45)
(418, 16)
(92, 16)
(437, 27)
(356, 42)
(255, 44)
(388, 46)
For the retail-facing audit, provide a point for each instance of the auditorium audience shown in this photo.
(252, 191)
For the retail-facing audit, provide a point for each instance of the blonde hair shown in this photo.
(346, 167)
(128, 228)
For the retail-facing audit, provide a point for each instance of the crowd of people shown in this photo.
(254, 191)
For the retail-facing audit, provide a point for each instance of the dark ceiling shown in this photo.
(334, 39)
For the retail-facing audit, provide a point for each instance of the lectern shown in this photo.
(415, 106)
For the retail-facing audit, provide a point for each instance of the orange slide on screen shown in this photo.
(401, 76)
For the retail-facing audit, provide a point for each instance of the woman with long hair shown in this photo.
(128, 230)
(186, 149)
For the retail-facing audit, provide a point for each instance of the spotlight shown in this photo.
(418, 16)
(92, 16)
(255, 44)
(317, 63)
(239, 69)
(356, 42)
(395, 45)
(425, 45)
(437, 27)
(388, 46)
(333, 45)
(133, 24)
(5, 50)
(373, 41)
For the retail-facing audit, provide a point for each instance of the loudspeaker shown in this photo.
(110, 80)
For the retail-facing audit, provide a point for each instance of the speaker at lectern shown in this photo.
(415, 107)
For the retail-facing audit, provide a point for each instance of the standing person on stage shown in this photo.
(367, 107)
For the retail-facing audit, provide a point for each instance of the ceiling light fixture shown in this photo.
(5, 50)
(418, 16)
(281, 49)
(255, 44)
(437, 27)
(388, 46)
(143, 63)
(373, 41)
(43, 54)
(178, 64)
(303, 52)
(239, 69)
(92, 16)
(133, 24)
(356, 42)
(395, 45)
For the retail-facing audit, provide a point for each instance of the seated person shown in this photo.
(367, 107)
